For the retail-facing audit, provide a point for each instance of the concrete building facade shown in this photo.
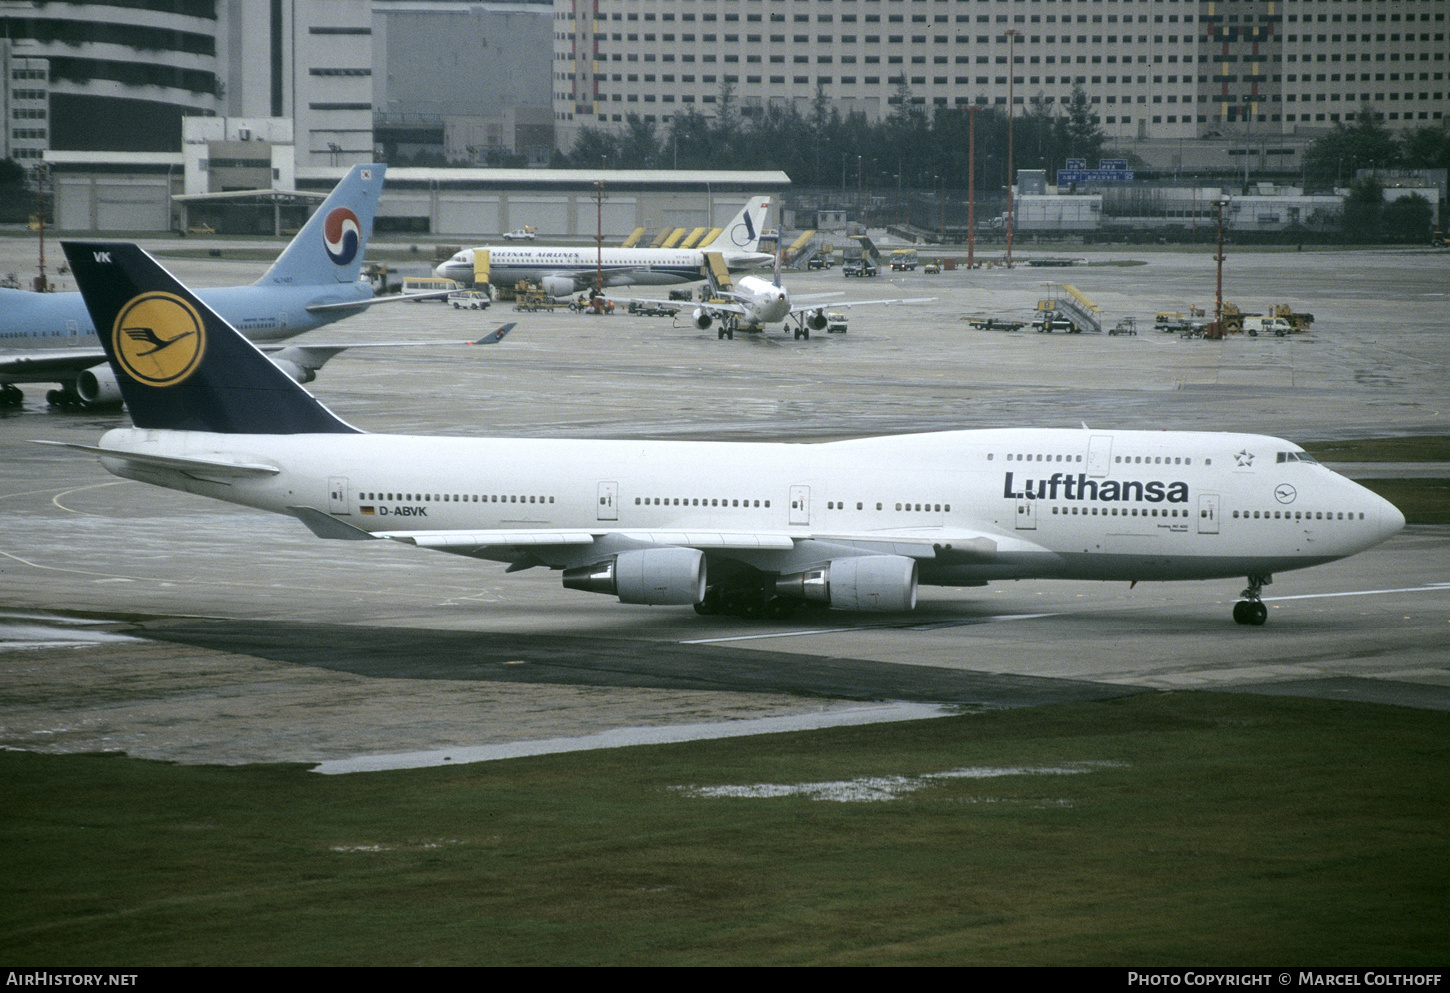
(1153, 70)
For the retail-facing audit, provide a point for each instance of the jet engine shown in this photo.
(98, 387)
(298, 372)
(702, 318)
(645, 575)
(861, 582)
(558, 286)
(816, 320)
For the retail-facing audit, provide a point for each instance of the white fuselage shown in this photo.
(509, 264)
(764, 302)
(988, 504)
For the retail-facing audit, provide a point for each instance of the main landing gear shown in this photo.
(10, 396)
(65, 397)
(748, 601)
(1251, 609)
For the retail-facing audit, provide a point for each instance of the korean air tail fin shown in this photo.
(180, 366)
(330, 246)
(743, 232)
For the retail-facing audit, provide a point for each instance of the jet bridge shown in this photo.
(1068, 301)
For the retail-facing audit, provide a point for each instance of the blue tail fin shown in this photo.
(330, 246)
(179, 365)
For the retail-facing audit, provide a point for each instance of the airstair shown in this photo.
(1068, 300)
(804, 248)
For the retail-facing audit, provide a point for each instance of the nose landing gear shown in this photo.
(1251, 609)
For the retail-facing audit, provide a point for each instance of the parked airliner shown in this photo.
(565, 271)
(751, 303)
(49, 338)
(754, 529)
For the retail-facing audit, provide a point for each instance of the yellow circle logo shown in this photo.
(159, 339)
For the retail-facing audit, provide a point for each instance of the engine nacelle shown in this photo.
(816, 320)
(702, 318)
(646, 575)
(558, 286)
(861, 582)
(300, 373)
(97, 385)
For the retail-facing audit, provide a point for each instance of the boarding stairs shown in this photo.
(1069, 300)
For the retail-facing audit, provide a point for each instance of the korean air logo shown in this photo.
(341, 236)
(744, 233)
(158, 339)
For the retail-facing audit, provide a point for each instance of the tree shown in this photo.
(1084, 139)
(1426, 148)
(1407, 218)
(1335, 157)
(639, 146)
(1362, 209)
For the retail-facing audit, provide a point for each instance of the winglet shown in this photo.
(179, 364)
(494, 337)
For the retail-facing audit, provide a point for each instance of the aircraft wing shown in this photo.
(360, 304)
(778, 551)
(800, 305)
(712, 306)
(48, 364)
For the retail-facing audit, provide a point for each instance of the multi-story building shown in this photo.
(23, 105)
(120, 76)
(1151, 69)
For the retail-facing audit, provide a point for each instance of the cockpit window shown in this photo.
(1296, 457)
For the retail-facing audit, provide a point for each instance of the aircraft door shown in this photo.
(800, 504)
(1026, 513)
(1208, 513)
(608, 502)
(337, 502)
(1100, 454)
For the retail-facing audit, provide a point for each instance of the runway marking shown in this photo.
(81, 489)
(631, 736)
(1402, 589)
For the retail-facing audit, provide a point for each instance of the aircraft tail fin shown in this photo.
(180, 366)
(743, 232)
(330, 247)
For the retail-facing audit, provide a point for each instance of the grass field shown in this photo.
(1187, 828)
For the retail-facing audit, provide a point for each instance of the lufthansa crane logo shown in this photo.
(158, 339)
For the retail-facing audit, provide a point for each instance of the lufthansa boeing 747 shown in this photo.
(754, 529)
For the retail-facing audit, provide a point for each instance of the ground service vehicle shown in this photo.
(469, 300)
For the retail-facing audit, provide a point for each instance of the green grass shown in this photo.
(1430, 448)
(1422, 501)
(1226, 830)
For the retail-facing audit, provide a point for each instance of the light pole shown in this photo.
(971, 184)
(1220, 203)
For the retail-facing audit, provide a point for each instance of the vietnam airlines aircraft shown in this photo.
(753, 529)
(565, 271)
(49, 338)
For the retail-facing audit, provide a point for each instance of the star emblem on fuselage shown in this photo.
(1244, 458)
